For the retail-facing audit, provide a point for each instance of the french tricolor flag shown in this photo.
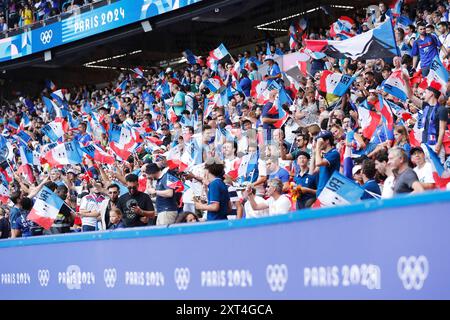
(46, 208)
(219, 53)
(123, 140)
(138, 73)
(171, 115)
(174, 183)
(339, 190)
(348, 161)
(368, 119)
(96, 153)
(395, 85)
(396, 9)
(4, 194)
(56, 129)
(440, 175)
(214, 84)
(122, 86)
(63, 154)
(58, 95)
(438, 73)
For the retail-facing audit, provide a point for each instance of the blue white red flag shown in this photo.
(138, 73)
(396, 85)
(56, 129)
(46, 208)
(96, 153)
(343, 27)
(63, 154)
(348, 161)
(368, 119)
(219, 53)
(214, 84)
(438, 73)
(336, 83)
(440, 174)
(339, 190)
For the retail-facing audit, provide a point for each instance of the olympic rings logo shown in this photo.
(44, 277)
(110, 277)
(413, 271)
(182, 278)
(46, 36)
(277, 277)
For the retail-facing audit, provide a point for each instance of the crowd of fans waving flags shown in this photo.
(81, 133)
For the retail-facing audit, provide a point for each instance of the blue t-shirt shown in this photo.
(162, 203)
(265, 114)
(14, 214)
(427, 49)
(281, 174)
(307, 181)
(371, 186)
(83, 139)
(326, 172)
(218, 192)
(273, 71)
(246, 86)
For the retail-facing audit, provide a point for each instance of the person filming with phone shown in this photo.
(136, 207)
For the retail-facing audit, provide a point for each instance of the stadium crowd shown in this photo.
(16, 14)
(221, 139)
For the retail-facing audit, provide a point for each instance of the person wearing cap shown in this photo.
(327, 158)
(273, 72)
(423, 168)
(307, 181)
(166, 205)
(356, 174)
(434, 118)
(92, 207)
(372, 189)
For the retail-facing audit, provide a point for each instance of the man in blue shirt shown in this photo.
(269, 115)
(278, 173)
(327, 158)
(426, 47)
(166, 205)
(82, 137)
(372, 189)
(306, 181)
(273, 72)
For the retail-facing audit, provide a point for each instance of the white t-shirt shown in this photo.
(425, 174)
(388, 188)
(250, 213)
(280, 206)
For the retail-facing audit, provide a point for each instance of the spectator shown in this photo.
(425, 48)
(219, 205)
(115, 219)
(5, 226)
(306, 181)
(136, 207)
(406, 180)
(277, 203)
(326, 158)
(372, 189)
(422, 168)
(166, 205)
